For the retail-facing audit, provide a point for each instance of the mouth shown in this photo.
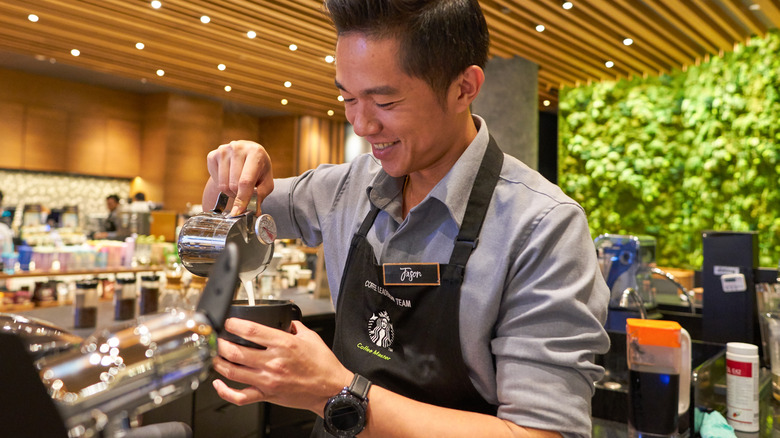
(381, 146)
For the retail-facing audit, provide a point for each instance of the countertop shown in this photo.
(62, 316)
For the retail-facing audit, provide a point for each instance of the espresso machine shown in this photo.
(627, 263)
(56, 384)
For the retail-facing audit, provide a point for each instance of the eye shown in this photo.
(385, 105)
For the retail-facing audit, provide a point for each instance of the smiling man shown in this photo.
(495, 332)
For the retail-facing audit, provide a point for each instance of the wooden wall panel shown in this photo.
(87, 145)
(194, 128)
(321, 141)
(123, 148)
(11, 134)
(239, 126)
(279, 136)
(45, 140)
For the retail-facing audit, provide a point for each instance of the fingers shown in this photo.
(257, 333)
(239, 169)
(239, 397)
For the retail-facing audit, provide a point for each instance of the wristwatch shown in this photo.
(345, 413)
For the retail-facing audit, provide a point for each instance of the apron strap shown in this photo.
(479, 200)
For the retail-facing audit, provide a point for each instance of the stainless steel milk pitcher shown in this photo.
(204, 236)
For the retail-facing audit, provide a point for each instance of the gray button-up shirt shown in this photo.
(533, 300)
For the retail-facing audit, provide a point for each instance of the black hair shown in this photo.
(439, 39)
(114, 197)
(140, 196)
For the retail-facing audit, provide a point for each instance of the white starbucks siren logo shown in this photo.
(381, 330)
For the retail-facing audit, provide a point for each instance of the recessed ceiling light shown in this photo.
(160, 72)
(156, 4)
(331, 112)
(40, 57)
(293, 47)
(33, 18)
(139, 46)
(287, 84)
(228, 88)
(754, 7)
(628, 41)
(546, 102)
(609, 64)
(329, 59)
(205, 19)
(340, 98)
(567, 5)
(540, 28)
(75, 52)
(251, 34)
(284, 101)
(221, 67)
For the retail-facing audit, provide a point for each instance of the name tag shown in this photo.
(411, 274)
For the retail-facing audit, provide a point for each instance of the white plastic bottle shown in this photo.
(742, 375)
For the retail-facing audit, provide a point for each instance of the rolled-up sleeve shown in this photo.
(550, 325)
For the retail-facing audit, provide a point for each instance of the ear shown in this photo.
(466, 87)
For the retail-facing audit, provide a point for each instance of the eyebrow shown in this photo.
(384, 90)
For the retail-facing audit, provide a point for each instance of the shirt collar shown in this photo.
(384, 189)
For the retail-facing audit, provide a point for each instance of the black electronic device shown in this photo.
(345, 413)
(729, 303)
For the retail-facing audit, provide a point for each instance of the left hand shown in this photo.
(296, 369)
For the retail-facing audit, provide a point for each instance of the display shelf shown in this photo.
(94, 271)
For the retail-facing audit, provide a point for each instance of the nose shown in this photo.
(363, 120)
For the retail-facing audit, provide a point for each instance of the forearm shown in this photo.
(391, 415)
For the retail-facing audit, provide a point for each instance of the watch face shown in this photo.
(345, 416)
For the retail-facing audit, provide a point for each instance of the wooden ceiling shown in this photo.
(572, 50)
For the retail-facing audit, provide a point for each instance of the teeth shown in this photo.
(382, 145)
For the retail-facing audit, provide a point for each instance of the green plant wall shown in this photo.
(675, 155)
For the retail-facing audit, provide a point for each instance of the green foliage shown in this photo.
(675, 155)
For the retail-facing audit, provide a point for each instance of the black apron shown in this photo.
(406, 338)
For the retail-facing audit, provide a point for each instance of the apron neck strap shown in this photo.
(479, 200)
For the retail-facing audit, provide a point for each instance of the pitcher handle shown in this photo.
(222, 202)
(685, 373)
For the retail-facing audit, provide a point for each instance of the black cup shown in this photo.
(278, 314)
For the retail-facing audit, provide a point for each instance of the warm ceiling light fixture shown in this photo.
(329, 59)
(33, 18)
(287, 84)
(754, 7)
(293, 47)
(75, 52)
(609, 64)
(251, 34)
(284, 101)
(567, 5)
(221, 67)
(139, 46)
(628, 41)
(205, 19)
(340, 98)
(156, 4)
(331, 112)
(546, 102)
(160, 72)
(540, 28)
(228, 88)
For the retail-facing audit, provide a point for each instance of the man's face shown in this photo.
(111, 204)
(401, 116)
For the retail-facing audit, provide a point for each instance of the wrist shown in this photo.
(345, 413)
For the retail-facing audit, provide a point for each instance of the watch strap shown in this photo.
(360, 386)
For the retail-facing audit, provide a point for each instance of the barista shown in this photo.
(110, 228)
(496, 332)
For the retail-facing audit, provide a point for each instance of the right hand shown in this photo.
(239, 169)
